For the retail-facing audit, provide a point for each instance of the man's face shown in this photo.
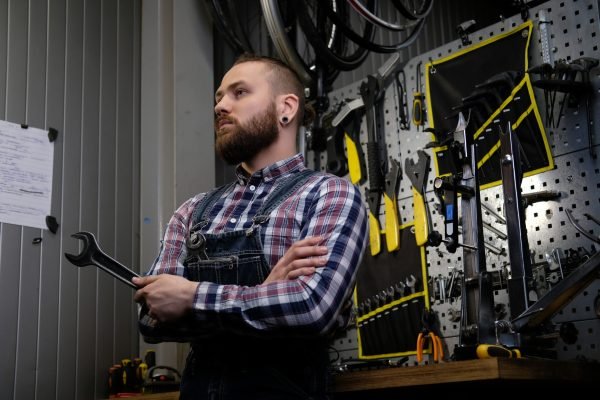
(245, 113)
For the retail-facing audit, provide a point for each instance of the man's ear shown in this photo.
(287, 106)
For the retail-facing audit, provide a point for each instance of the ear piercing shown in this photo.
(284, 120)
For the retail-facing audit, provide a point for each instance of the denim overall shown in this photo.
(232, 365)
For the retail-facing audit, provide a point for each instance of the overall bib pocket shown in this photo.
(246, 270)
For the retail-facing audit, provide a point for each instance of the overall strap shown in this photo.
(208, 201)
(281, 192)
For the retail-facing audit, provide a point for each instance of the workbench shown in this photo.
(501, 373)
(489, 373)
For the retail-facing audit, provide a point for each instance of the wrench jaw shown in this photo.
(84, 257)
(91, 254)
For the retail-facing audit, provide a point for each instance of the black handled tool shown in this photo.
(417, 173)
(92, 255)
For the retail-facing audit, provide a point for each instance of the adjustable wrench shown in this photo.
(92, 255)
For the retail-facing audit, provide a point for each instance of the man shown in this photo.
(259, 273)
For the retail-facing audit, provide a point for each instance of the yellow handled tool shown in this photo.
(418, 106)
(354, 159)
(354, 151)
(392, 227)
(496, 350)
(390, 201)
(374, 234)
(418, 112)
(421, 226)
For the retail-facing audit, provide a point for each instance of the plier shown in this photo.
(436, 344)
(427, 335)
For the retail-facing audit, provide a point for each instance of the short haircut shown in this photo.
(283, 80)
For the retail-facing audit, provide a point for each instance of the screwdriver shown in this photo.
(495, 351)
(418, 108)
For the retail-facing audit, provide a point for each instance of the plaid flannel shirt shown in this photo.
(325, 205)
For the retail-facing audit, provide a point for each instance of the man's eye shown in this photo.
(240, 92)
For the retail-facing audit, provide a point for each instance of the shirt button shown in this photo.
(233, 220)
(252, 187)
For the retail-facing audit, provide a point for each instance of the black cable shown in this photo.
(422, 12)
(316, 39)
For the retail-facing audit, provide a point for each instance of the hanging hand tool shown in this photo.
(350, 121)
(375, 168)
(543, 195)
(372, 93)
(418, 107)
(92, 255)
(431, 333)
(502, 83)
(463, 30)
(446, 190)
(436, 344)
(545, 71)
(560, 78)
(587, 63)
(356, 157)
(499, 218)
(390, 200)
(403, 121)
(417, 173)
(579, 228)
(336, 160)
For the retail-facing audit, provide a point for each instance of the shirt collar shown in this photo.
(273, 171)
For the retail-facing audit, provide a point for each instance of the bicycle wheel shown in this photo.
(355, 24)
(242, 25)
(295, 49)
(413, 9)
(367, 14)
(221, 22)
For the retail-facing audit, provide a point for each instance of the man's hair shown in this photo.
(283, 80)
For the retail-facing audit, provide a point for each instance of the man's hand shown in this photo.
(167, 297)
(301, 259)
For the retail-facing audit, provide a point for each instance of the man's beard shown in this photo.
(243, 142)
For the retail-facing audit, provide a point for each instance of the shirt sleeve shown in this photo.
(310, 304)
(173, 250)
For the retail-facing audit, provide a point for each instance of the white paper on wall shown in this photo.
(26, 160)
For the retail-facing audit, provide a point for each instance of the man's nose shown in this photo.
(221, 106)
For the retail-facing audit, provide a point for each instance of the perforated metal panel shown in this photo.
(572, 32)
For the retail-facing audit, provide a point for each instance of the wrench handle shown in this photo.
(114, 268)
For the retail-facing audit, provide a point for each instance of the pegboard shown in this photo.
(571, 31)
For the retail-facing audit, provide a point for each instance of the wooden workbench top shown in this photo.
(492, 369)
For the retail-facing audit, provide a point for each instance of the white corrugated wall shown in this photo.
(72, 65)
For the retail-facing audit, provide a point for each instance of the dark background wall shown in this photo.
(440, 29)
